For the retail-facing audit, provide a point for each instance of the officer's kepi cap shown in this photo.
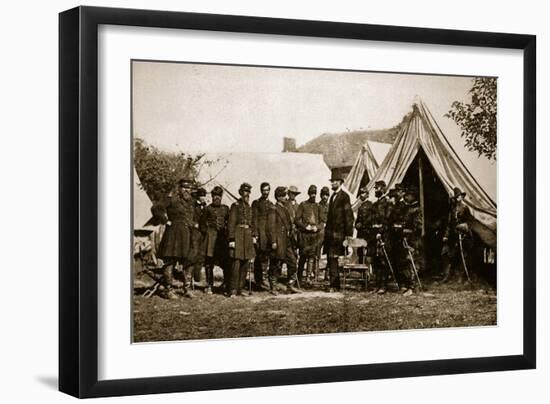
(280, 191)
(245, 187)
(217, 191)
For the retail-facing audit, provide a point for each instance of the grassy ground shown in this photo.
(312, 312)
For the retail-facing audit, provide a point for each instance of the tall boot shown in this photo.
(301, 266)
(446, 272)
(168, 278)
(209, 272)
(310, 264)
(266, 282)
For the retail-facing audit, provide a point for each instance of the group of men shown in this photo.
(260, 236)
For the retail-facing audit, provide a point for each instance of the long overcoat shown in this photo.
(260, 211)
(176, 240)
(339, 223)
(308, 213)
(215, 221)
(280, 231)
(241, 230)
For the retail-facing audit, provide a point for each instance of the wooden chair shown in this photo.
(352, 262)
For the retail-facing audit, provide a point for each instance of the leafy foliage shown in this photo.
(478, 119)
(159, 171)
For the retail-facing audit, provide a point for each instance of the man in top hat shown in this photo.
(379, 229)
(176, 212)
(408, 240)
(281, 234)
(309, 224)
(363, 224)
(242, 238)
(323, 215)
(195, 259)
(339, 227)
(260, 211)
(457, 239)
(215, 220)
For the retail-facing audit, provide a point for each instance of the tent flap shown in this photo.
(422, 131)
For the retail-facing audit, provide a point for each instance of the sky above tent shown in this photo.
(210, 108)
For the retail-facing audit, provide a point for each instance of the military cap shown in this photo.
(325, 191)
(336, 177)
(364, 190)
(245, 187)
(280, 191)
(186, 182)
(200, 192)
(312, 190)
(380, 183)
(411, 190)
(457, 191)
(217, 191)
(392, 193)
(293, 190)
(264, 184)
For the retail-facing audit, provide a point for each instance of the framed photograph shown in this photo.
(250, 201)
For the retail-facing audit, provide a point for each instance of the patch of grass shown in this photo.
(215, 316)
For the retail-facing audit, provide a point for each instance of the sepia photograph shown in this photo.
(283, 201)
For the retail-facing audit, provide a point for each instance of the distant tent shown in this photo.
(229, 170)
(422, 155)
(366, 165)
(142, 208)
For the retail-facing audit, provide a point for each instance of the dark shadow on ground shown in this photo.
(48, 381)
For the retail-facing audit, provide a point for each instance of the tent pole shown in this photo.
(422, 208)
(421, 194)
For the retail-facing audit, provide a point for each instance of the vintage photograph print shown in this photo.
(274, 201)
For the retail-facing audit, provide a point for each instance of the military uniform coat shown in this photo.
(364, 219)
(323, 215)
(292, 209)
(339, 223)
(260, 211)
(308, 213)
(459, 215)
(241, 230)
(215, 222)
(280, 231)
(176, 240)
(196, 250)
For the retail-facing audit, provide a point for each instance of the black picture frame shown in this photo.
(78, 196)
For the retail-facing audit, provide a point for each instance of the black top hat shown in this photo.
(325, 191)
(245, 187)
(217, 191)
(280, 191)
(336, 177)
(457, 191)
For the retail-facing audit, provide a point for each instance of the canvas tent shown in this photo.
(423, 156)
(366, 165)
(229, 170)
(142, 208)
